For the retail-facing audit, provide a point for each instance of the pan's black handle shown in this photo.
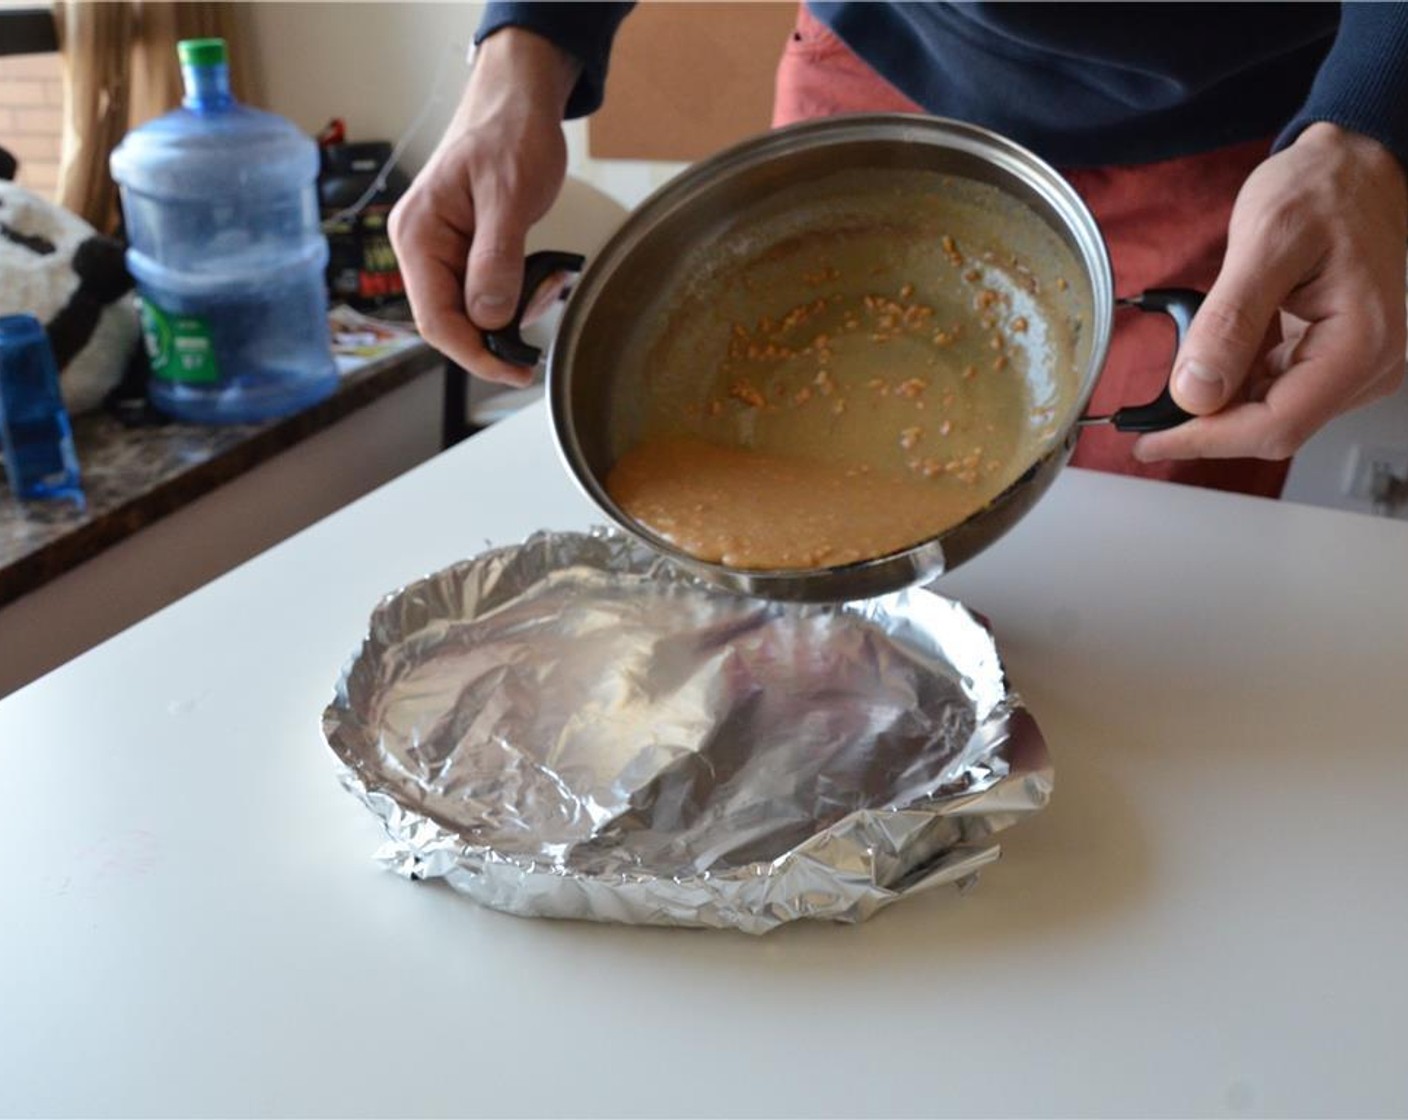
(1180, 305)
(507, 342)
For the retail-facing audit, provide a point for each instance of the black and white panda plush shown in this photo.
(56, 267)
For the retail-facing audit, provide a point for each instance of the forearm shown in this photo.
(1362, 86)
(584, 31)
(518, 70)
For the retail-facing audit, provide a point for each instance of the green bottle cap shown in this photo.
(202, 52)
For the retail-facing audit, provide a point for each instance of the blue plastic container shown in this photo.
(36, 440)
(221, 208)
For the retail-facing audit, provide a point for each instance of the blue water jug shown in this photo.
(221, 207)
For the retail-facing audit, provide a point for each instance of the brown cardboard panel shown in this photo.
(687, 79)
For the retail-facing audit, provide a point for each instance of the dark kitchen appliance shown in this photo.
(355, 205)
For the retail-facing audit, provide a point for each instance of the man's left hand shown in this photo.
(1318, 232)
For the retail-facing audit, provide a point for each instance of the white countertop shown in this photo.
(1209, 919)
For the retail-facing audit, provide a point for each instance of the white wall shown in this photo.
(376, 66)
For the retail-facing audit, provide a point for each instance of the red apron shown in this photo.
(1165, 225)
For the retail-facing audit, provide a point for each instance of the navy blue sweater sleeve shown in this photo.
(583, 30)
(1363, 83)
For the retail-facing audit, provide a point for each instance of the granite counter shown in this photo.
(133, 476)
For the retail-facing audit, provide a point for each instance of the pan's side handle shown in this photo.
(507, 342)
(1180, 305)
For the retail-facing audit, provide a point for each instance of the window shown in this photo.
(31, 95)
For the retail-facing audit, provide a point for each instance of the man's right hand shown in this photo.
(459, 230)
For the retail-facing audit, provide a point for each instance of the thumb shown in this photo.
(1228, 330)
(494, 271)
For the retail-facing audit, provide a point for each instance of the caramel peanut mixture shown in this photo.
(886, 400)
(752, 510)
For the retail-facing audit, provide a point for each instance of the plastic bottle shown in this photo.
(221, 208)
(36, 440)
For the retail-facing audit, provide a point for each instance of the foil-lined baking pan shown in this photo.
(575, 728)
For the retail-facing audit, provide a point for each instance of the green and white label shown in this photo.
(178, 346)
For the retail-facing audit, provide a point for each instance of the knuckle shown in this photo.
(396, 220)
(430, 331)
(494, 252)
(1280, 445)
(1389, 382)
(1397, 374)
(404, 220)
(1380, 340)
(1286, 218)
(1376, 328)
(1226, 322)
(1284, 438)
(1396, 338)
(432, 327)
(1381, 389)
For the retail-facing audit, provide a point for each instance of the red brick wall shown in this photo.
(31, 121)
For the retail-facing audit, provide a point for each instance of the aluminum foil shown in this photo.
(575, 728)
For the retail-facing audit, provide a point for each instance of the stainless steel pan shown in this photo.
(604, 380)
